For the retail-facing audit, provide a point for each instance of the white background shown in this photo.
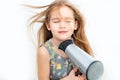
(18, 55)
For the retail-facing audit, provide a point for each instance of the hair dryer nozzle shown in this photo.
(64, 44)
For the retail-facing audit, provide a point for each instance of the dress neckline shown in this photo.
(51, 44)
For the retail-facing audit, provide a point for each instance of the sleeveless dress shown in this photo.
(59, 66)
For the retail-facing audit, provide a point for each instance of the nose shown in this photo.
(63, 24)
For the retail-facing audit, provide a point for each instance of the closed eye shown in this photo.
(68, 21)
(56, 21)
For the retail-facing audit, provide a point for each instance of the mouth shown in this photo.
(62, 32)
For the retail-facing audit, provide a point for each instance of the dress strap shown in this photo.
(49, 46)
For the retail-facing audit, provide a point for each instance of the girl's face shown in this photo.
(62, 23)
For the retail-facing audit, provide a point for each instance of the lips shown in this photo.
(62, 32)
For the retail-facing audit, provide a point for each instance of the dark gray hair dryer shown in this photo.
(92, 68)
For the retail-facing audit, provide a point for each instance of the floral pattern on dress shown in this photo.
(59, 66)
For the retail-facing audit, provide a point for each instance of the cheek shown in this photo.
(72, 27)
(71, 30)
(53, 29)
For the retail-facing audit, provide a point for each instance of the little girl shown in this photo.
(61, 20)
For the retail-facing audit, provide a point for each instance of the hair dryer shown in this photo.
(92, 68)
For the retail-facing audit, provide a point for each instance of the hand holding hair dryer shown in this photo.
(92, 68)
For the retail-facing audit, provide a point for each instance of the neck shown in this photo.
(56, 42)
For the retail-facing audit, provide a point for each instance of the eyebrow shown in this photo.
(63, 18)
(54, 19)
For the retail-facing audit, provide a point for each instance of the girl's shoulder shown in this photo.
(43, 49)
(42, 52)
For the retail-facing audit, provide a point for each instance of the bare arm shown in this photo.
(43, 64)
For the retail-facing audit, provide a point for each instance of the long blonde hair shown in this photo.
(43, 34)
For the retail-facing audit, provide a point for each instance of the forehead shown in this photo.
(62, 12)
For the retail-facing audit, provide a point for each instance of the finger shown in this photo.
(81, 77)
(72, 73)
(76, 78)
(75, 69)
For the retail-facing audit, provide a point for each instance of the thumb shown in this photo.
(75, 69)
